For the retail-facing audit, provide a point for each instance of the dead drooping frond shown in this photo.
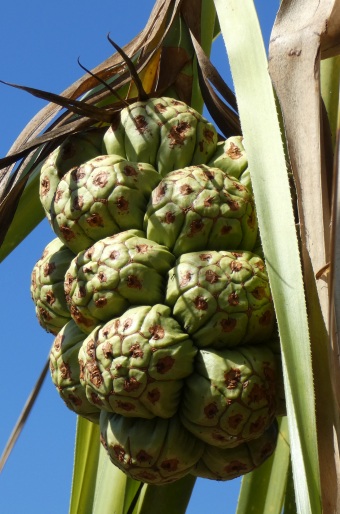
(149, 65)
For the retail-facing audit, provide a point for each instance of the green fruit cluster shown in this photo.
(162, 312)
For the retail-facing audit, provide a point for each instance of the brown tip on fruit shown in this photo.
(157, 332)
(211, 410)
(164, 364)
(234, 152)
(232, 378)
(201, 303)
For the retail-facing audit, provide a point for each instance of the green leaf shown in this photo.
(263, 143)
(85, 467)
(330, 80)
(263, 490)
(290, 504)
(28, 215)
(208, 18)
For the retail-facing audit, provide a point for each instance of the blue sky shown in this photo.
(40, 43)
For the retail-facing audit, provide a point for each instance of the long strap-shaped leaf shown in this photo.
(335, 262)
(330, 80)
(290, 504)
(85, 467)
(303, 32)
(335, 269)
(263, 143)
(327, 356)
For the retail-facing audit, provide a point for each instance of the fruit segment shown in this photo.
(135, 365)
(100, 198)
(222, 299)
(201, 208)
(113, 274)
(164, 132)
(66, 374)
(47, 286)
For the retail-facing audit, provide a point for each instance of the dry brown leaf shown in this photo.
(304, 31)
